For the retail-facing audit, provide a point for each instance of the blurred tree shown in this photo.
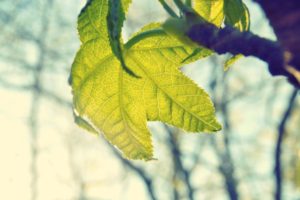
(38, 42)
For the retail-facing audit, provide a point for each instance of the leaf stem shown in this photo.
(167, 8)
(181, 6)
(142, 36)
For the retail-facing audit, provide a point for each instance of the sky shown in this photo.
(68, 154)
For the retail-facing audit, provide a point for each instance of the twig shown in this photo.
(147, 180)
(278, 148)
(230, 40)
(179, 165)
(168, 8)
(226, 168)
(35, 103)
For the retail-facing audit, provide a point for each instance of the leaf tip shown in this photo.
(218, 127)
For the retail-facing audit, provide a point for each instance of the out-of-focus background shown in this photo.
(45, 156)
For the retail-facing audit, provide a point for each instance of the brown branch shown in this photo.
(284, 17)
(230, 40)
(282, 57)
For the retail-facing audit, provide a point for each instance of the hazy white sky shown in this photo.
(90, 157)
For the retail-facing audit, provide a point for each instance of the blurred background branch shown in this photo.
(47, 157)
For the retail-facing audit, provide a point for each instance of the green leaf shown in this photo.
(211, 10)
(115, 21)
(109, 100)
(236, 15)
(98, 82)
(168, 95)
(231, 61)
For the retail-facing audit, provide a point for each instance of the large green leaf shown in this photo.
(109, 100)
(168, 95)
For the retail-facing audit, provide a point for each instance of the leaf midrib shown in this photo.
(123, 112)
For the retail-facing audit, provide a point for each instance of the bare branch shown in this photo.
(278, 148)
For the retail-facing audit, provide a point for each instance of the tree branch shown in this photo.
(186, 174)
(36, 98)
(147, 180)
(230, 40)
(226, 167)
(282, 55)
(278, 148)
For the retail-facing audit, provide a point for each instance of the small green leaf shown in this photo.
(115, 19)
(211, 10)
(231, 61)
(236, 15)
(108, 99)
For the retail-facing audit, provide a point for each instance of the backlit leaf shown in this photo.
(110, 101)
(211, 10)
